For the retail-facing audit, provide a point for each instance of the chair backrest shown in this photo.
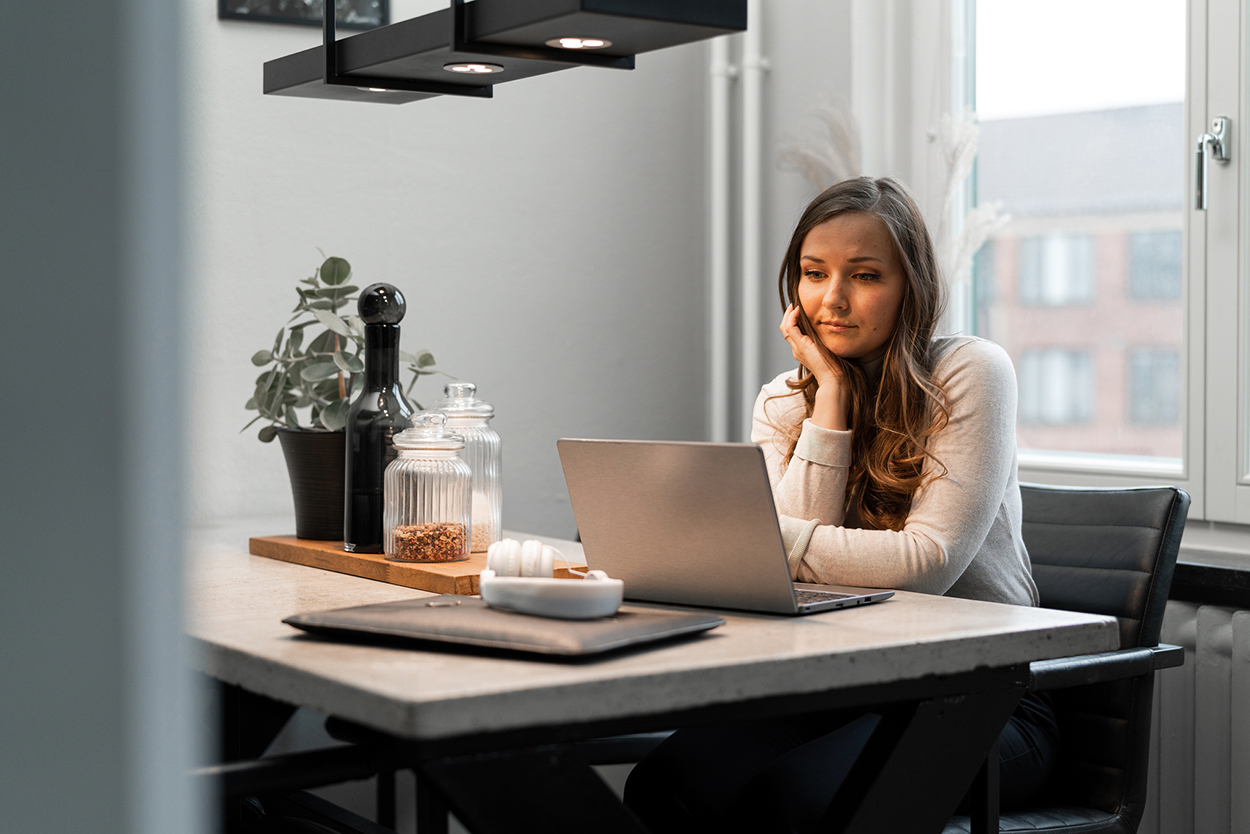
(1105, 551)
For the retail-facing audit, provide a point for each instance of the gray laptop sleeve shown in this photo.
(468, 621)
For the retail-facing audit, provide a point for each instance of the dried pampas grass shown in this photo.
(829, 156)
(959, 239)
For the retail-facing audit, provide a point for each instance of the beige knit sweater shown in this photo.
(962, 535)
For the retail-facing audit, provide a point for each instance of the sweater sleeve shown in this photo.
(811, 489)
(950, 516)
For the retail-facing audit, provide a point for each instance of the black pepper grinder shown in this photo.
(377, 415)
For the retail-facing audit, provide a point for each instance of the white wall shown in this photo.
(550, 243)
(808, 45)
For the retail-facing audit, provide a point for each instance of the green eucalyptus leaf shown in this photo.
(276, 384)
(424, 358)
(303, 401)
(337, 292)
(272, 402)
(251, 404)
(321, 304)
(296, 368)
(268, 433)
(407, 358)
(334, 415)
(263, 387)
(357, 324)
(262, 357)
(262, 404)
(335, 271)
(324, 343)
(292, 420)
(297, 338)
(320, 370)
(348, 363)
(333, 322)
(277, 340)
(327, 389)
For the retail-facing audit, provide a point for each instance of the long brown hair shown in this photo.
(892, 423)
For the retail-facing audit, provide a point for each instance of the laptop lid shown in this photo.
(682, 522)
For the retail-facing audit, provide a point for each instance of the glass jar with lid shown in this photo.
(427, 494)
(469, 417)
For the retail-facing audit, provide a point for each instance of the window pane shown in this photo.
(1154, 383)
(1056, 387)
(1057, 268)
(1154, 270)
(1083, 285)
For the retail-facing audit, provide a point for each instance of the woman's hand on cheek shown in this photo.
(833, 397)
(806, 352)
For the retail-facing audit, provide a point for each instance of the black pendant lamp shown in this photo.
(467, 48)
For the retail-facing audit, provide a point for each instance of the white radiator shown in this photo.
(1200, 751)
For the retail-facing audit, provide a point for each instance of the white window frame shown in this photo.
(908, 101)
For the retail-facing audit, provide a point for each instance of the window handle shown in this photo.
(1217, 143)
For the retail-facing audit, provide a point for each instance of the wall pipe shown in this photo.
(753, 69)
(722, 75)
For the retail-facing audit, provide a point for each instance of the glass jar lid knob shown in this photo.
(461, 401)
(429, 431)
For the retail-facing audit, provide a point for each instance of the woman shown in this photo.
(893, 463)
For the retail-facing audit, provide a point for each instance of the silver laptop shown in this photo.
(689, 523)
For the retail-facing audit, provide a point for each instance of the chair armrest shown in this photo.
(1064, 672)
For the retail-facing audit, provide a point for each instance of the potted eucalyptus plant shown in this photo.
(305, 390)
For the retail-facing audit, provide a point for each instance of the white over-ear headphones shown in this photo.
(512, 558)
(519, 577)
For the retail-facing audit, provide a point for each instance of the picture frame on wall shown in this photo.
(349, 14)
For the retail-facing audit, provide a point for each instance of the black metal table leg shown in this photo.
(548, 789)
(985, 794)
(248, 724)
(386, 798)
(920, 762)
(432, 810)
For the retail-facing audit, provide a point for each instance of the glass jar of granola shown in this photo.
(426, 488)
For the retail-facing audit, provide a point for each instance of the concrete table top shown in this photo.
(238, 601)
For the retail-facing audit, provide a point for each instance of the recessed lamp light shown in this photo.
(578, 43)
(372, 89)
(473, 69)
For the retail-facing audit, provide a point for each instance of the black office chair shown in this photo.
(1101, 551)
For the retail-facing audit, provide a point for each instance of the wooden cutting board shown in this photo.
(437, 577)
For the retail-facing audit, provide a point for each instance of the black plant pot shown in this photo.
(314, 460)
